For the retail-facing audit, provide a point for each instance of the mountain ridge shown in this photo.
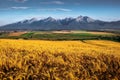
(68, 23)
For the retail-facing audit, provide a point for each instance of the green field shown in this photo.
(62, 35)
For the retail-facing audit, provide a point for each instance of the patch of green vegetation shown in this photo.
(27, 35)
(59, 36)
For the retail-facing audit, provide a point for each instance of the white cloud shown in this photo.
(55, 9)
(20, 0)
(63, 9)
(15, 7)
(19, 7)
(53, 2)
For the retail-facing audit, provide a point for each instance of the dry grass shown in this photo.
(17, 33)
(89, 32)
(102, 33)
(59, 60)
(95, 32)
(63, 31)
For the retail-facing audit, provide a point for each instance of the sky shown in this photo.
(17, 10)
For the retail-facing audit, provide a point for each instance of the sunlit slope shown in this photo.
(59, 60)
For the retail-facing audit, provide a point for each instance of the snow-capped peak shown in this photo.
(79, 18)
(49, 19)
(29, 20)
(84, 19)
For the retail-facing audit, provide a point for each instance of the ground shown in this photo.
(59, 60)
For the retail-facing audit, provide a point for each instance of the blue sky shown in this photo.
(16, 10)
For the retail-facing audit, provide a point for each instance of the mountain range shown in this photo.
(79, 23)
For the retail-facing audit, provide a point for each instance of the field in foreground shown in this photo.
(59, 60)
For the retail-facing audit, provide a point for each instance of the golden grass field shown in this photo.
(59, 60)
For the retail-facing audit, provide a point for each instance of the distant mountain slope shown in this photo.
(79, 23)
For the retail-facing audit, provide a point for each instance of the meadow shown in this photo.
(61, 35)
(59, 60)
